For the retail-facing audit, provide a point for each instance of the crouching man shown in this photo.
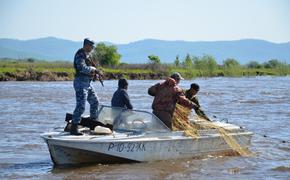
(121, 97)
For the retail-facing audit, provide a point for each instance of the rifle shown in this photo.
(97, 76)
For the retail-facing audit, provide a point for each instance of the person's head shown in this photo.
(88, 45)
(177, 77)
(123, 83)
(194, 88)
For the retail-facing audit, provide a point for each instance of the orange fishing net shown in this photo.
(181, 122)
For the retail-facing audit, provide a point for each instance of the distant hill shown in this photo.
(245, 50)
(49, 48)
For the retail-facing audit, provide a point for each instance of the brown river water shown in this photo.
(261, 104)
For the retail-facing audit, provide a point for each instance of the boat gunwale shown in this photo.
(139, 138)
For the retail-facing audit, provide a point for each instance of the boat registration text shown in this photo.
(127, 147)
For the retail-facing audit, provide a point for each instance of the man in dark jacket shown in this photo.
(120, 97)
(166, 95)
(191, 94)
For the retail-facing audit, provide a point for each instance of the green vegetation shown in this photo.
(176, 61)
(154, 59)
(106, 55)
(31, 69)
(11, 65)
(109, 59)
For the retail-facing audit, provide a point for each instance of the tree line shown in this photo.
(207, 65)
(109, 60)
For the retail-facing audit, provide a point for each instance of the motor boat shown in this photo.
(138, 136)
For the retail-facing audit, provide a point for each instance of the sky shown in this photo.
(124, 21)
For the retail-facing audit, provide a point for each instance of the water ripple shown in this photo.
(261, 104)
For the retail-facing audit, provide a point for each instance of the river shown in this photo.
(261, 104)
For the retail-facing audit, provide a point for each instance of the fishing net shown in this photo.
(181, 122)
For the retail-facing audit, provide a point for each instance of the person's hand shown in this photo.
(100, 73)
(93, 73)
(195, 107)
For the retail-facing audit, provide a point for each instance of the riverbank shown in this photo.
(66, 76)
(25, 70)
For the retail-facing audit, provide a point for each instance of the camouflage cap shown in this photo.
(176, 75)
(89, 42)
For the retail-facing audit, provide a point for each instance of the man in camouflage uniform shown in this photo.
(85, 72)
(191, 94)
(166, 95)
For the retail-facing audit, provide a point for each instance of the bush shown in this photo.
(154, 59)
(253, 65)
(206, 65)
(230, 63)
(106, 55)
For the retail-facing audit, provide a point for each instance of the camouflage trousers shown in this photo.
(84, 94)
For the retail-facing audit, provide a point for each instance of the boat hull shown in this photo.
(73, 151)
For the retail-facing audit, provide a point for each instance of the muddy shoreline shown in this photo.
(64, 76)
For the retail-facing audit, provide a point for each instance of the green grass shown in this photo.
(20, 66)
(137, 71)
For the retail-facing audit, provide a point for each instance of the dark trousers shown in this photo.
(165, 117)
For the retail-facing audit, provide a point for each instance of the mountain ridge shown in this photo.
(243, 50)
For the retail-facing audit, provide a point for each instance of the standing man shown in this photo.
(166, 95)
(191, 94)
(85, 72)
(121, 97)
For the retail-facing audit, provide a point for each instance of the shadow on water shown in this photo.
(63, 168)
(27, 170)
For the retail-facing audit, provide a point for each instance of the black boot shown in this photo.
(74, 130)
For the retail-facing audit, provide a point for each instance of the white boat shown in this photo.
(138, 136)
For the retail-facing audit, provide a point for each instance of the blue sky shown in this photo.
(123, 21)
